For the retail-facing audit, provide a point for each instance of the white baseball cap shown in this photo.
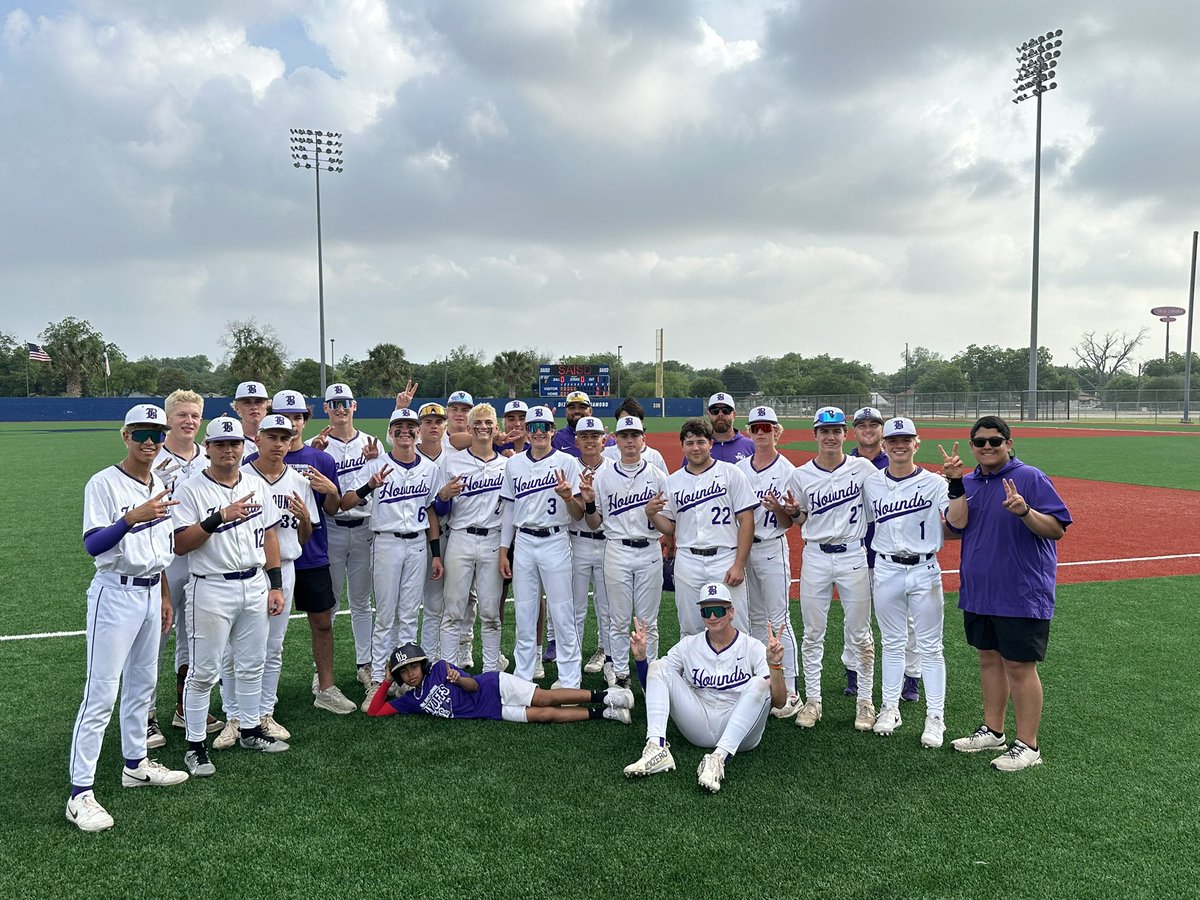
(720, 399)
(899, 427)
(515, 406)
(579, 397)
(147, 414)
(867, 414)
(289, 402)
(460, 397)
(828, 415)
(224, 428)
(403, 415)
(714, 593)
(338, 391)
(539, 414)
(276, 422)
(762, 414)
(589, 425)
(628, 423)
(250, 389)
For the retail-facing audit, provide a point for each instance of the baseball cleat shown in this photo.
(610, 674)
(809, 714)
(851, 688)
(624, 682)
(1019, 756)
(935, 730)
(595, 663)
(711, 771)
(333, 700)
(502, 663)
(910, 691)
(85, 813)
(273, 729)
(618, 714)
(539, 671)
(254, 739)
(363, 675)
(655, 758)
(789, 709)
(366, 704)
(983, 739)
(212, 726)
(619, 698)
(889, 720)
(864, 715)
(551, 653)
(151, 772)
(228, 736)
(154, 736)
(198, 764)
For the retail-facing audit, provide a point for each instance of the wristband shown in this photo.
(212, 523)
(1028, 510)
(589, 508)
(365, 491)
(775, 668)
(275, 576)
(956, 488)
(435, 547)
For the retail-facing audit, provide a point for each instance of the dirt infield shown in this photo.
(1119, 530)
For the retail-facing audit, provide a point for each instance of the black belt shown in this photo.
(639, 543)
(758, 540)
(594, 535)
(140, 582)
(481, 532)
(912, 560)
(406, 535)
(540, 532)
(832, 548)
(703, 551)
(349, 523)
(234, 576)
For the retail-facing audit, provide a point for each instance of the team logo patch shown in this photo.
(712, 590)
(337, 389)
(761, 411)
(291, 399)
(227, 427)
(251, 389)
(151, 414)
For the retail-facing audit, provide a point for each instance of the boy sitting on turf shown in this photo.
(442, 689)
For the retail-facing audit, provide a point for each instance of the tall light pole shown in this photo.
(312, 150)
(1036, 59)
(619, 346)
(332, 360)
(1187, 365)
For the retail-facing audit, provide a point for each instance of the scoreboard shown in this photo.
(558, 381)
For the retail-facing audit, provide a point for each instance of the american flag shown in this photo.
(36, 352)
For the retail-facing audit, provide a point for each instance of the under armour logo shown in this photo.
(227, 426)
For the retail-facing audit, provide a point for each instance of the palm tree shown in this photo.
(385, 370)
(517, 369)
(76, 351)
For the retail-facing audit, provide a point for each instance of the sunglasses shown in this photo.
(987, 441)
(338, 404)
(141, 435)
(713, 612)
(721, 410)
(537, 427)
(761, 428)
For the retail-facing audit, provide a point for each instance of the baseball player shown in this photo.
(633, 574)
(127, 531)
(515, 440)
(468, 507)
(728, 445)
(587, 545)
(828, 501)
(868, 435)
(541, 488)
(458, 406)
(716, 686)
(402, 486)
(350, 536)
(293, 497)
(444, 690)
(179, 458)
(907, 505)
(769, 569)
(579, 405)
(250, 402)
(226, 523)
(431, 434)
(630, 407)
(710, 509)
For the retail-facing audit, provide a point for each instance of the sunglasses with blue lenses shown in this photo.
(338, 404)
(830, 417)
(537, 427)
(713, 612)
(141, 435)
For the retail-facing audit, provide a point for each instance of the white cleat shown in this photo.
(502, 664)
(198, 763)
(889, 720)
(151, 773)
(539, 671)
(86, 813)
(155, 739)
(595, 663)
(789, 709)
(655, 758)
(363, 675)
(864, 715)
(809, 714)
(711, 772)
(371, 691)
(273, 729)
(228, 736)
(610, 674)
(934, 733)
(257, 741)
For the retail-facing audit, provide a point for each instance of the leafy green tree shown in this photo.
(704, 387)
(255, 354)
(517, 371)
(461, 370)
(304, 376)
(941, 377)
(76, 351)
(384, 372)
(739, 380)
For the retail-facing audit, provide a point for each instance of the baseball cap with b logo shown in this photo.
(589, 425)
(516, 406)
(899, 427)
(539, 414)
(289, 402)
(403, 415)
(628, 423)
(248, 390)
(829, 415)
(276, 422)
(147, 414)
(338, 392)
(460, 397)
(868, 414)
(762, 414)
(715, 594)
(720, 399)
(223, 428)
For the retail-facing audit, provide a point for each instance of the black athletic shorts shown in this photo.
(1016, 639)
(314, 590)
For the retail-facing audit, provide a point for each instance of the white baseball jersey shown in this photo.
(649, 454)
(529, 483)
(249, 448)
(288, 532)
(174, 469)
(478, 506)
(621, 497)
(148, 547)
(833, 500)
(705, 507)
(350, 457)
(721, 676)
(776, 479)
(907, 512)
(400, 503)
(234, 546)
(443, 455)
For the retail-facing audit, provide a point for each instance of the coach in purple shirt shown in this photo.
(1010, 518)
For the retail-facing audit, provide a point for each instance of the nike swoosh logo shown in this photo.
(856, 568)
(72, 815)
(135, 778)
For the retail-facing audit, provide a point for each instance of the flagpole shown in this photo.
(27, 372)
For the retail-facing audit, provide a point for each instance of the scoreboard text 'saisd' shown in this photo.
(558, 381)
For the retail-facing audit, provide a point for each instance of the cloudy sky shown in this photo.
(570, 175)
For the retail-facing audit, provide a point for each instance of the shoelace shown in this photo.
(1015, 750)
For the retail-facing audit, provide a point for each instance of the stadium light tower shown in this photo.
(1036, 61)
(619, 347)
(312, 150)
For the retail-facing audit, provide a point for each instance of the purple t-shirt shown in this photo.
(730, 451)
(315, 551)
(564, 440)
(438, 697)
(1007, 570)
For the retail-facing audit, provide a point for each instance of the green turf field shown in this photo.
(430, 808)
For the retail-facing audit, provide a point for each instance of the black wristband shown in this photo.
(957, 489)
(365, 491)
(590, 507)
(1028, 510)
(275, 576)
(212, 523)
(435, 547)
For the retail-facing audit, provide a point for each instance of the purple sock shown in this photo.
(134, 763)
(77, 789)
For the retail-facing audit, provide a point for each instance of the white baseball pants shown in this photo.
(728, 726)
(273, 662)
(912, 659)
(433, 602)
(398, 566)
(633, 582)
(768, 580)
(819, 573)
(350, 564)
(904, 594)
(177, 582)
(692, 572)
(472, 559)
(587, 569)
(545, 562)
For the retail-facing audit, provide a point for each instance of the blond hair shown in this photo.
(183, 396)
(479, 410)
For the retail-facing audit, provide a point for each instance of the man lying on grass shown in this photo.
(442, 689)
